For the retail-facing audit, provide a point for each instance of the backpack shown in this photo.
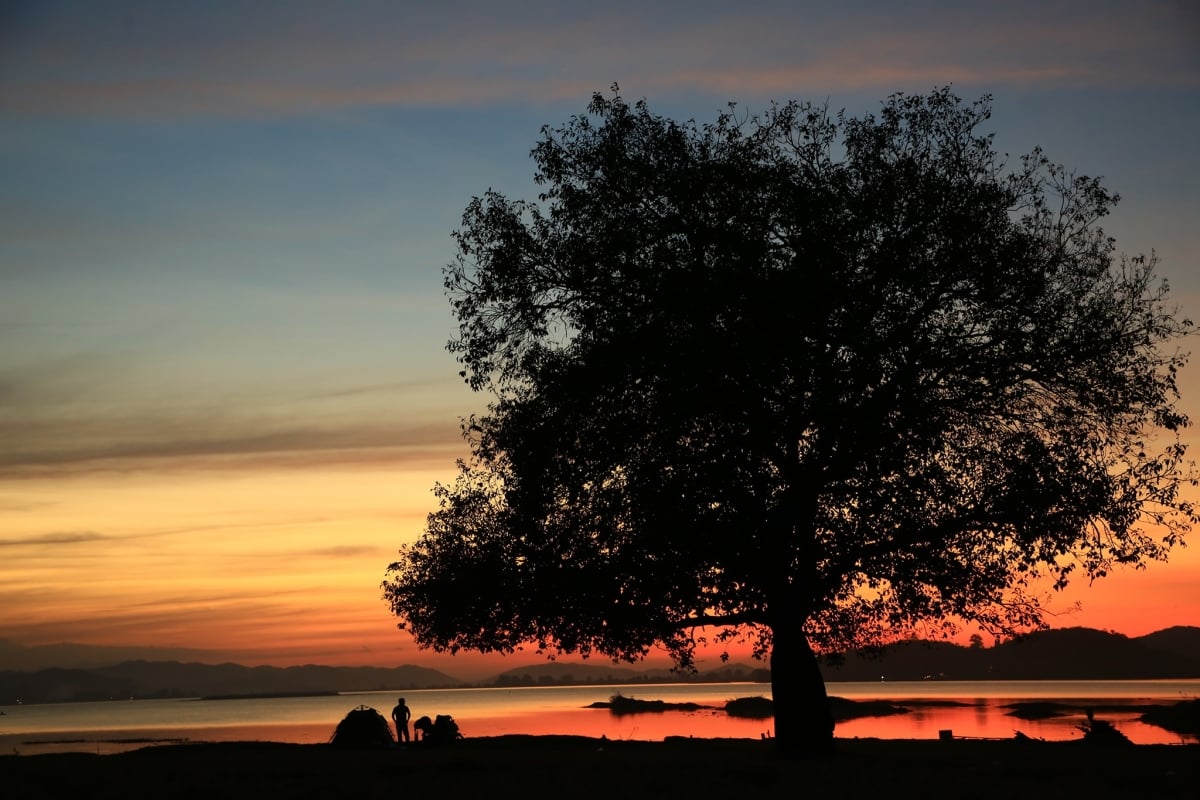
(438, 731)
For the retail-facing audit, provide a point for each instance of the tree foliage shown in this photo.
(797, 374)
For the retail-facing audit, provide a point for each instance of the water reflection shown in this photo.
(704, 723)
(984, 718)
(968, 710)
(988, 719)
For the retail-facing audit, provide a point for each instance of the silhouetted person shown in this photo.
(400, 716)
(422, 728)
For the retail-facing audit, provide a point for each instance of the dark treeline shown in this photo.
(576, 674)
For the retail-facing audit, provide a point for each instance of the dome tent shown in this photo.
(363, 727)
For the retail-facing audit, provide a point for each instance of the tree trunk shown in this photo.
(803, 719)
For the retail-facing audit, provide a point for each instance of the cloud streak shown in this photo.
(103, 412)
(57, 538)
(131, 439)
(279, 62)
(59, 441)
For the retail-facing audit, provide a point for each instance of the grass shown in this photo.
(578, 767)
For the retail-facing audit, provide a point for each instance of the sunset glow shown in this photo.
(224, 391)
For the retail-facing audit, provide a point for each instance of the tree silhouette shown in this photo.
(801, 379)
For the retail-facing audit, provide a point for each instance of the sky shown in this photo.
(224, 391)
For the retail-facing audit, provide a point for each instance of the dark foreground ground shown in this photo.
(574, 767)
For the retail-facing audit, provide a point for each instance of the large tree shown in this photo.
(803, 379)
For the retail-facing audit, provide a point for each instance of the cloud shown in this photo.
(224, 61)
(235, 624)
(97, 411)
(114, 444)
(207, 602)
(62, 537)
(71, 414)
(345, 551)
(169, 625)
(378, 388)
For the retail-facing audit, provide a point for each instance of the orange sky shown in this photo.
(280, 563)
(224, 395)
(277, 559)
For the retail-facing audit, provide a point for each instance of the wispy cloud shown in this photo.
(61, 537)
(209, 600)
(345, 551)
(280, 60)
(253, 627)
(376, 389)
(99, 411)
(123, 444)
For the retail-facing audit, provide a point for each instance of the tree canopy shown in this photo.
(801, 377)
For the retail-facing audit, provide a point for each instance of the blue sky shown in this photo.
(224, 225)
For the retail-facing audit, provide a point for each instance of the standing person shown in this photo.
(400, 716)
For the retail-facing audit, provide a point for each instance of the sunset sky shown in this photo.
(224, 390)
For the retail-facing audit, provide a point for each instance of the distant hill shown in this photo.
(1063, 654)
(558, 672)
(1182, 640)
(155, 679)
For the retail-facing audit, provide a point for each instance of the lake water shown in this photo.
(968, 709)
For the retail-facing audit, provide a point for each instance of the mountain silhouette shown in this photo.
(1180, 640)
(1063, 654)
(158, 679)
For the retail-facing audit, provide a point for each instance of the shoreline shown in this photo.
(656, 721)
(516, 765)
(112, 743)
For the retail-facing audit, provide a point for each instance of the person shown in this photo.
(422, 728)
(400, 716)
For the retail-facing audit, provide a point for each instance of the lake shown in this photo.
(967, 708)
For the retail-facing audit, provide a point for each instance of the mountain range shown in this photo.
(1063, 654)
(161, 679)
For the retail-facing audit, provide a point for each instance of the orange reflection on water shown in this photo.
(983, 720)
(979, 720)
(707, 723)
(927, 718)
